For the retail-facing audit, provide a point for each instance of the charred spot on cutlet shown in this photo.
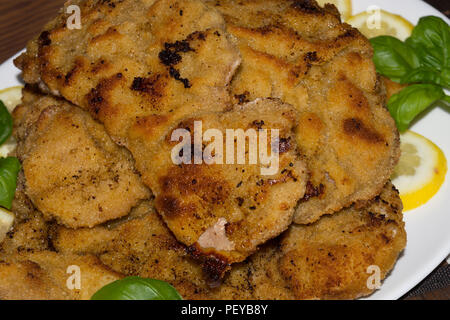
(307, 6)
(76, 69)
(214, 269)
(95, 100)
(284, 145)
(174, 73)
(243, 97)
(145, 84)
(169, 57)
(197, 35)
(312, 191)
(171, 54)
(258, 124)
(311, 56)
(355, 127)
(214, 265)
(44, 39)
(172, 207)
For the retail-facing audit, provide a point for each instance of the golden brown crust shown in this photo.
(146, 67)
(43, 276)
(303, 55)
(255, 208)
(336, 252)
(31, 269)
(73, 172)
(328, 259)
(192, 198)
(140, 246)
(392, 87)
(325, 260)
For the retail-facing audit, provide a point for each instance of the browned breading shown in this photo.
(30, 269)
(73, 172)
(137, 66)
(334, 253)
(141, 246)
(181, 62)
(325, 260)
(77, 176)
(304, 55)
(253, 207)
(143, 68)
(44, 275)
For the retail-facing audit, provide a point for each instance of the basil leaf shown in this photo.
(9, 169)
(411, 101)
(430, 40)
(424, 75)
(6, 123)
(446, 99)
(445, 75)
(393, 58)
(136, 288)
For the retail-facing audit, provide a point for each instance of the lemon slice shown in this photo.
(421, 170)
(344, 7)
(8, 147)
(6, 222)
(377, 22)
(11, 97)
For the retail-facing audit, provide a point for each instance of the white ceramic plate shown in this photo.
(428, 227)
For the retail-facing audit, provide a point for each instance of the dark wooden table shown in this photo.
(22, 19)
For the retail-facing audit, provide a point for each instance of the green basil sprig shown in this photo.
(422, 60)
(411, 101)
(136, 288)
(6, 123)
(393, 58)
(430, 40)
(9, 169)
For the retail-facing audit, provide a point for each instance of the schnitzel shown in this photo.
(43, 275)
(302, 54)
(141, 246)
(339, 249)
(140, 101)
(197, 200)
(77, 176)
(328, 259)
(325, 260)
(74, 173)
(30, 269)
(100, 187)
(137, 66)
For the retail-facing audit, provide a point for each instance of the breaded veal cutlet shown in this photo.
(76, 175)
(142, 68)
(301, 53)
(328, 259)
